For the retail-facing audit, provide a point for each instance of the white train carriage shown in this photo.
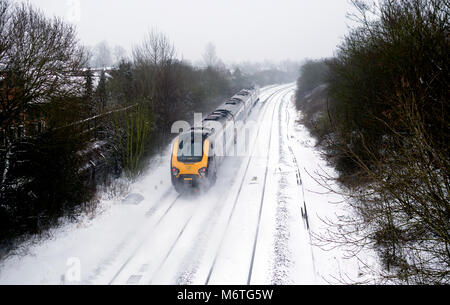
(196, 154)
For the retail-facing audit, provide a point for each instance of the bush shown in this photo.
(43, 184)
(400, 55)
(313, 73)
(389, 134)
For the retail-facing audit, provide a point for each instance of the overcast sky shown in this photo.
(241, 30)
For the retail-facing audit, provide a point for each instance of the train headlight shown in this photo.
(202, 172)
(175, 171)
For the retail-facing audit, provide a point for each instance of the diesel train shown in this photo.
(197, 153)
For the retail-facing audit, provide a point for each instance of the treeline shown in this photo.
(380, 109)
(161, 90)
(40, 59)
(67, 129)
(267, 73)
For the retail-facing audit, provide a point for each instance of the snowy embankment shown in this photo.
(247, 229)
(333, 265)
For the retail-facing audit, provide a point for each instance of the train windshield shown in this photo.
(190, 147)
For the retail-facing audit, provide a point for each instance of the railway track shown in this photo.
(155, 227)
(300, 184)
(236, 200)
(122, 267)
(263, 194)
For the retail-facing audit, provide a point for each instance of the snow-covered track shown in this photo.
(270, 100)
(169, 207)
(300, 184)
(151, 276)
(264, 192)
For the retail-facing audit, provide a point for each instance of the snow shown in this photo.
(331, 266)
(248, 228)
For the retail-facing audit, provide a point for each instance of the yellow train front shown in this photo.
(197, 154)
(193, 165)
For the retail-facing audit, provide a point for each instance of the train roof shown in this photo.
(244, 92)
(204, 132)
(213, 117)
(234, 100)
(225, 112)
(242, 98)
(218, 116)
(232, 108)
(222, 112)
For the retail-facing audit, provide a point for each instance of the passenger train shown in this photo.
(198, 153)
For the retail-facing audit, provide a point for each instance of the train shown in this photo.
(198, 152)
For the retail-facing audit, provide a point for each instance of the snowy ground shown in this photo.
(247, 229)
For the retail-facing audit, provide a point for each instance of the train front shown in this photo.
(190, 163)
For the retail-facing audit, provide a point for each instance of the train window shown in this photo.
(190, 148)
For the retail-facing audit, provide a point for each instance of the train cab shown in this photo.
(197, 153)
(192, 162)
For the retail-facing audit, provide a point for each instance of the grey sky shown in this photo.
(252, 30)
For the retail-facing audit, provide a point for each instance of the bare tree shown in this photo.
(119, 54)
(210, 56)
(156, 50)
(39, 58)
(5, 16)
(102, 55)
(402, 212)
(394, 160)
(154, 61)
